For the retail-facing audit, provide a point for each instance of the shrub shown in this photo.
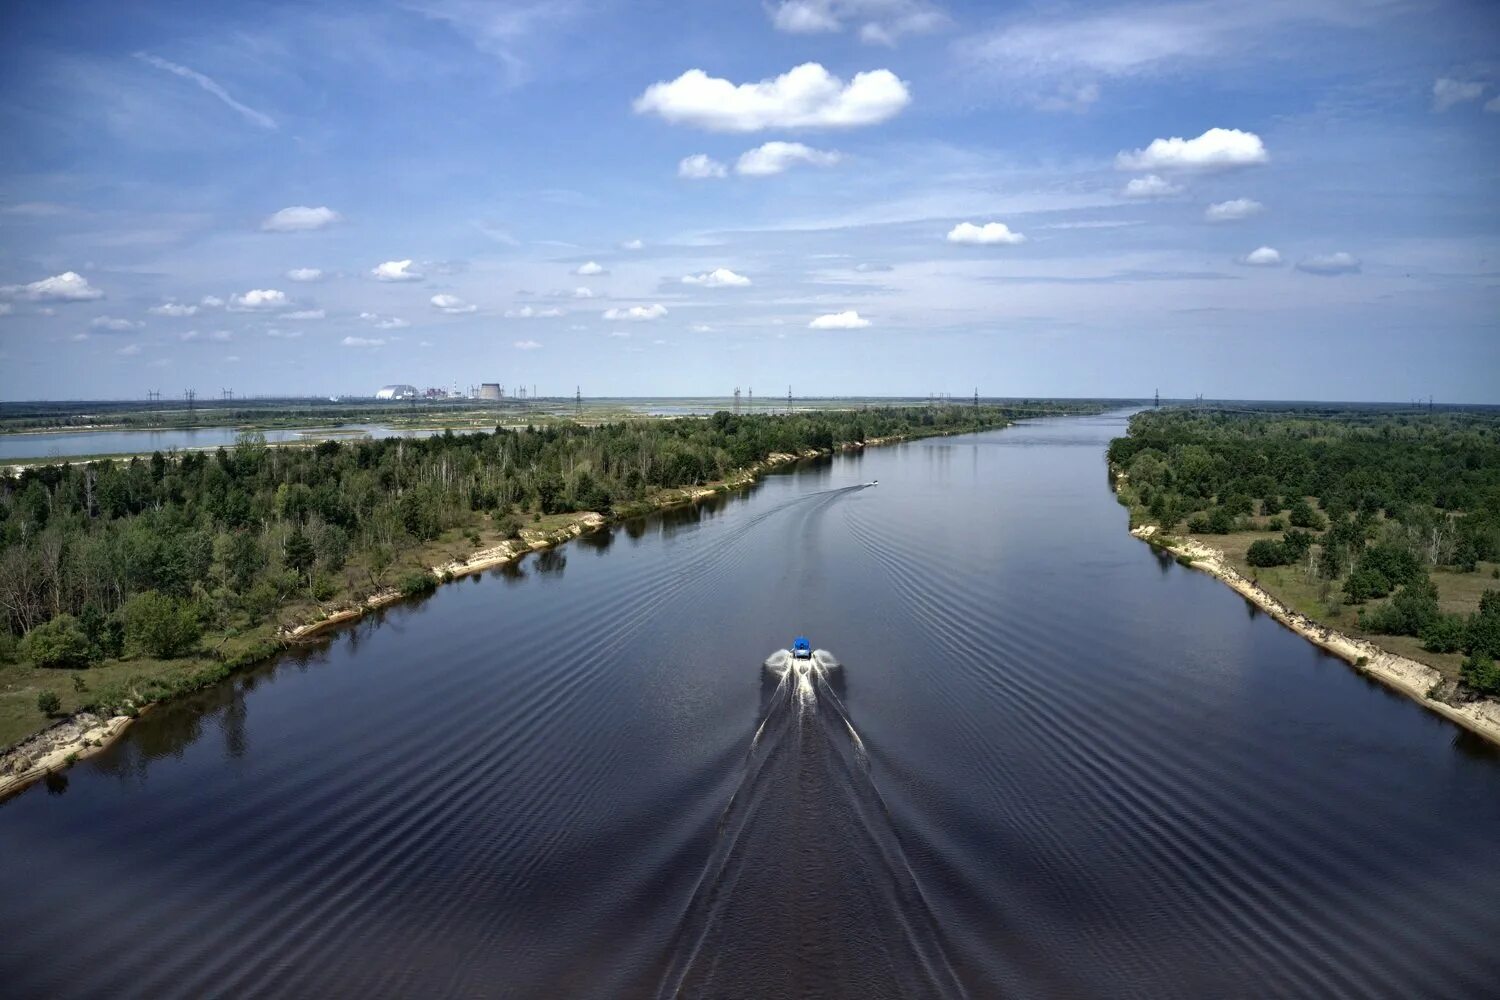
(509, 526)
(1444, 634)
(1220, 521)
(1302, 515)
(58, 643)
(7, 646)
(323, 588)
(1275, 524)
(1297, 543)
(1481, 674)
(1265, 552)
(416, 583)
(1408, 613)
(48, 703)
(162, 625)
(1365, 583)
(1198, 524)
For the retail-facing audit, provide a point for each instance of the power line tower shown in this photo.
(1157, 403)
(736, 400)
(789, 399)
(191, 395)
(153, 395)
(751, 404)
(976, 397)
(578, 400)
(226, 394)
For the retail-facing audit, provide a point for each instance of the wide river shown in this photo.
(1051, 764)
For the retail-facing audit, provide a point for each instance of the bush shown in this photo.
(508, 525)
(7, 646)
(1444, 634)
(1365, 583)
(1481, 674)
(58, 643)
(1410, 612)
(161, 625)
(1265, 552)
(48, 703)
(1275, 524)
(1302, 515)
(323, 588)
(416, 583)
(1220, 521)
(1198, 524)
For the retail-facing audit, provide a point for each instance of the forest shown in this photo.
(147, 559)
(1364, 506)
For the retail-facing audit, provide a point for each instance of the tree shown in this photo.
(1264, 552)
(162, 625)
(1480, 673)
(48, 703)
(1302, 515)
(300, 554)
(58, 643)
(1444, 634)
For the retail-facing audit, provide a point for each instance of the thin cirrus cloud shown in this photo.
(636, 313)
(300, 219)
(1233, 210)
(175, 310)
(1262, 257)
(719, 277)
(208, 84)
(776, 157)
(846, 320)
(113, 324)
(304, 314)
(363, 342)
(532, 312)
(881, 22)
(305, 274)
(701, 167)
(806, 96)
(258, 300)
(1150, 187)
(1330, 264)
(452, 305)
(395, 270)
(1214, 150)
(527, 345)
(989, 234)
(70, 286)
(1447, 92)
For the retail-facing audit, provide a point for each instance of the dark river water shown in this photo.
(1051, 764)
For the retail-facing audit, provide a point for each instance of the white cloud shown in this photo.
(701, 167)
(258, 299)
(527, 345)
(1262, 257)
(775, 157)
(990, 233)
(1216, 149)
(70, 286)
(384, 322)
(804, 17)
(113, 324)
(283, 334)
(300, 219)
(395, 270)
(590, 269)
(619, 333)
(583, 293)
(129, 350)
(6, 308)
(847, 320)
(304, 274)
(1232, 210)
(531, 312)
(304, 314)
(451, 304)
(807, 96)
(211, 301)
(637, 313)
(208, 84)
(1150, 186)
(363, 342)
(702, 328)
(1447, 92)
(632, 245)
(719, 277)
(1493, 104)
(881, 22)
(175, 309)
(1330, 263)
(222, 336)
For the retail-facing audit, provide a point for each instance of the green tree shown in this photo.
(161, 625)
(300, 554)
(48, 703)
(58, 643)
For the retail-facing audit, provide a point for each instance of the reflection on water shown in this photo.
(1055, 763)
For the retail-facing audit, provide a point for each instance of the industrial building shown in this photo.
(491, 391)
(397, 392)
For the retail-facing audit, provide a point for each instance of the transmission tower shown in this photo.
(154, 395)
(190, 395)
(578, 400)
(976, 397)
(789, 399)
(1157, 404)
(226, 394)
(751, 404)
(736, 400)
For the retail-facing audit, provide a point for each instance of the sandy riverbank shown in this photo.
(84, 734)
(1399, 673)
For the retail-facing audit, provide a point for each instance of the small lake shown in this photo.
(1052, 764)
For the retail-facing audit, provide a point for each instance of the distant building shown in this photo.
(397, 392)
(491, 390)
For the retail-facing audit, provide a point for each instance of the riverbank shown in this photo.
(85, 733)
(1399, 673)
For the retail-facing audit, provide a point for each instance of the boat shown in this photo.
(801, 648)
(803, 657)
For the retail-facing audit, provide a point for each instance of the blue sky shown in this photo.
(1273, 199)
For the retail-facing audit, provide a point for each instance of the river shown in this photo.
(70, 444)
(1051, 764)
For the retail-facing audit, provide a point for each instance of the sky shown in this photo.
(1276, 199)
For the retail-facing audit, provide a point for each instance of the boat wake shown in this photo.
(807, 891)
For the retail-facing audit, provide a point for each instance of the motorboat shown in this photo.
(803, 657)
(801, 648)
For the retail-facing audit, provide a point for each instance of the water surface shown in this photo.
(1051, 765)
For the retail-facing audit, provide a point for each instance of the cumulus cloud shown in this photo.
(590, 269)
(881, 22)
(807, 96)
(304, 314)
(1330, 263)
(1216, 149)
(395, 270)
(632, 245)
(1232, 210)
(637, 313)
(451, 304)
(1447, 92)
(304, 274)
(527, 345)
(384, 322)
(701, 167)
(70, 286)
(283, 334)
(363, 342)
(300, 219)
(531, 312)
(1151, 186)
(258, 299)
(991, 233)
(719, 277)
(583, 293)
(775, 157)
(174, 309)
(847, 320)
(113, 324)
(211, 302)
(1262, 257)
